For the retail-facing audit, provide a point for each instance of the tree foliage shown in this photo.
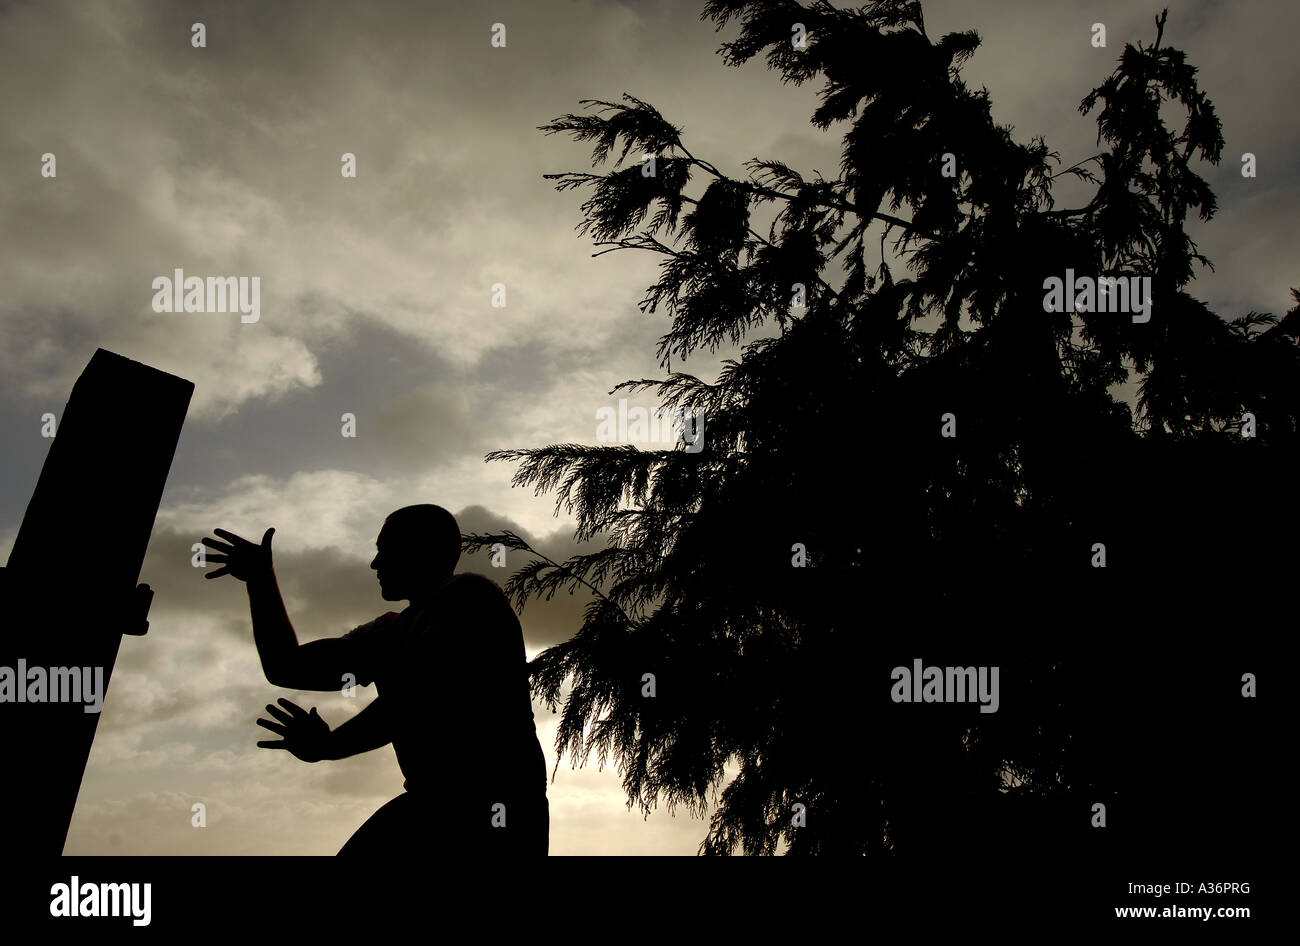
(772, 681)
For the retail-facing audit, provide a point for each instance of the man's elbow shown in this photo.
(280, 675)
(301, 676)
(312, 666)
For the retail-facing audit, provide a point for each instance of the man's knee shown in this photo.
(388, 829)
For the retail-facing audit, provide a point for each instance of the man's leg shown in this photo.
(389, 829)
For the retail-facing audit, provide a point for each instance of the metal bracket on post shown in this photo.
(136, 622)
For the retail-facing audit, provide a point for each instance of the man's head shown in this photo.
(418, 546)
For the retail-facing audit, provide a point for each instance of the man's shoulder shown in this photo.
(378, 625)
(474, 584)
(478, 597)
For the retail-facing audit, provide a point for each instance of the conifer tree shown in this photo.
(771, 682)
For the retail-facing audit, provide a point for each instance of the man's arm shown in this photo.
(369, 729)
(319, 665)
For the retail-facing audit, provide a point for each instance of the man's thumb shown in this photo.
(266, 536)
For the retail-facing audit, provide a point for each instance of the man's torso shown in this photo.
(454, 678)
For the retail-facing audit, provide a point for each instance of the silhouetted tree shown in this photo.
(772, 681)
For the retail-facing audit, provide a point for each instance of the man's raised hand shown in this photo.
(305, 734)
(240, 557)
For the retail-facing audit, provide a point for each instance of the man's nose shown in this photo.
(375, 564)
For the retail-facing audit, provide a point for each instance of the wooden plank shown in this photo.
(69, 588)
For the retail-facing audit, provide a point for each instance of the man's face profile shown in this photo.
(397, 564)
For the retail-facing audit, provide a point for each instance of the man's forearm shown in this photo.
(369, 729)
(272, 631)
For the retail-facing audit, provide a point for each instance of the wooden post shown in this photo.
(69, 590)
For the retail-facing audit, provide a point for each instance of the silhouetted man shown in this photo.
(453, 692)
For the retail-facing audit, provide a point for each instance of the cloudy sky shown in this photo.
(376, 300)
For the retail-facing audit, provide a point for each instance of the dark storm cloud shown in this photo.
(329, 590)
(544, 622)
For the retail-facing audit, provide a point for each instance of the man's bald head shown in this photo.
(418, 547)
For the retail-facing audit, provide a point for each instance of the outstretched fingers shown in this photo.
(291, 706)
(274, 727)
(279, 714)
(217, 546)
(220, 555)
(232, 538)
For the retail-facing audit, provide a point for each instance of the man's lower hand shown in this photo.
(304, 734)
